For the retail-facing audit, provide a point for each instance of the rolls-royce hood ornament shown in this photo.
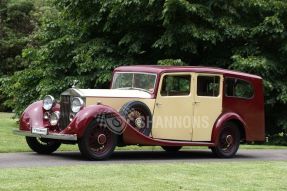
(75, 82)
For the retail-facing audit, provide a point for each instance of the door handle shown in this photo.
(158, 104)
(196, 102)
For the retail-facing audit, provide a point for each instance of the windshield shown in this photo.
(142, 81)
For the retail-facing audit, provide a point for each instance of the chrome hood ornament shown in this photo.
(75, 82)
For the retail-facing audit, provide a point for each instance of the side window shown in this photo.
(175, 85)
(208, 86)
(238, 88)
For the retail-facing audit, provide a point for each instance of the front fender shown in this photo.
(85, 117)
(33, 116)
(221, 120)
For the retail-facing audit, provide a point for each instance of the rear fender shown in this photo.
(219, 124)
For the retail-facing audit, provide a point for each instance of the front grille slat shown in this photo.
(65, 111)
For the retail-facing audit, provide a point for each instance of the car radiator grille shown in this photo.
(65, 111)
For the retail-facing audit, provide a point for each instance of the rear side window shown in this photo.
(238, 88)
(176, 85)
(208, 86)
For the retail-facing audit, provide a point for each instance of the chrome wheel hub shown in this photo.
(139, 122)
(229, 140)
(102, 139)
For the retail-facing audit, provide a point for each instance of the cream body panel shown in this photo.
(173, 115)
(118, 102)
(206, 111)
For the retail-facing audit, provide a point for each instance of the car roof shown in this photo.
(168, 69)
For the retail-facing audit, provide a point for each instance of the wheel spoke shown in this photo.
(99, 140)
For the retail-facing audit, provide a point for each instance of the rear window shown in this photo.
(238, 88)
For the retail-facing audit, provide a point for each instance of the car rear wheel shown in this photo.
(43, 146)
(228, 141)
(138, 115)
(98, 142)
(171, 149)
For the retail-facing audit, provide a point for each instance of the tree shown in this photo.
(87, 39)
(16, 25)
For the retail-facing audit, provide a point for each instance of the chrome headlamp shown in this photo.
(77, 104)
(54, 118)
(48, 102)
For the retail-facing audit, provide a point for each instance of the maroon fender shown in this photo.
(221, 120)
(85, 117)
(33, 116)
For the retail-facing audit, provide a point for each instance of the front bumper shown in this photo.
(57, 136)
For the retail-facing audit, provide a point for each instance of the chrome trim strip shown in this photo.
(49, 136)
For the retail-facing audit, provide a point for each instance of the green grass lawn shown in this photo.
(255, 175)
(15, 143)
(159, 177)
(8, 141)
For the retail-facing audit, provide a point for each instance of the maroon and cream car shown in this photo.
(167, 106)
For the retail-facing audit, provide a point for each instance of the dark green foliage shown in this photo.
(16, 24)
(86, 39)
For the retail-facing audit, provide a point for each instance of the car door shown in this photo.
(173, 112)
(208, 104)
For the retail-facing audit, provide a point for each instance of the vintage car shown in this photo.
(167, 106)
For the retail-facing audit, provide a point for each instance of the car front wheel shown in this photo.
(42, 145)
(228, 141)
(98, 142)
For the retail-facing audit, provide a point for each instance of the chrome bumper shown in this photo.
(49, 136)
